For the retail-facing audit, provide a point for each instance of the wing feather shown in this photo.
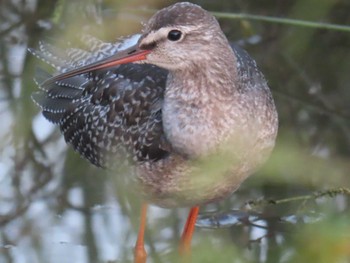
(105, 114)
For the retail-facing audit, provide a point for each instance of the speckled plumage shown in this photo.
(200, 100)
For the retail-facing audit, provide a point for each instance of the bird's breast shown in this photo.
(195, 128)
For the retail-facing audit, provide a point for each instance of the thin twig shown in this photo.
(285, 21)
(330, 193)
(270, 19)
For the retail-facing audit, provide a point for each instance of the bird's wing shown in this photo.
(104, 114)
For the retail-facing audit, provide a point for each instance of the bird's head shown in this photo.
(179, 36)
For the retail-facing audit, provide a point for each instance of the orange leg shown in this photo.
(186, 238)
(140, 254)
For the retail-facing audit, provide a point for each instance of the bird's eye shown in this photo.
(174, 35)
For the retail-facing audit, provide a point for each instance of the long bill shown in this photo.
(129, 55)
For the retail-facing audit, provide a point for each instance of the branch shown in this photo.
(316, 195)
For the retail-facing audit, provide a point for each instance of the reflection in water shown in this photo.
(55, 207)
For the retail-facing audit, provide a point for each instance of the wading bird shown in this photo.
(180, 98)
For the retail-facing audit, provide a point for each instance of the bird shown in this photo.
(189, 111)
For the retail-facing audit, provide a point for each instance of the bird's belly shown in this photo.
(212, 155)
(176, 182)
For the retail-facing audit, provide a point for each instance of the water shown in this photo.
(55, 207)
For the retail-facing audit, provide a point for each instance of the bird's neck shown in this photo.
(215, 76)
(196, 105)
